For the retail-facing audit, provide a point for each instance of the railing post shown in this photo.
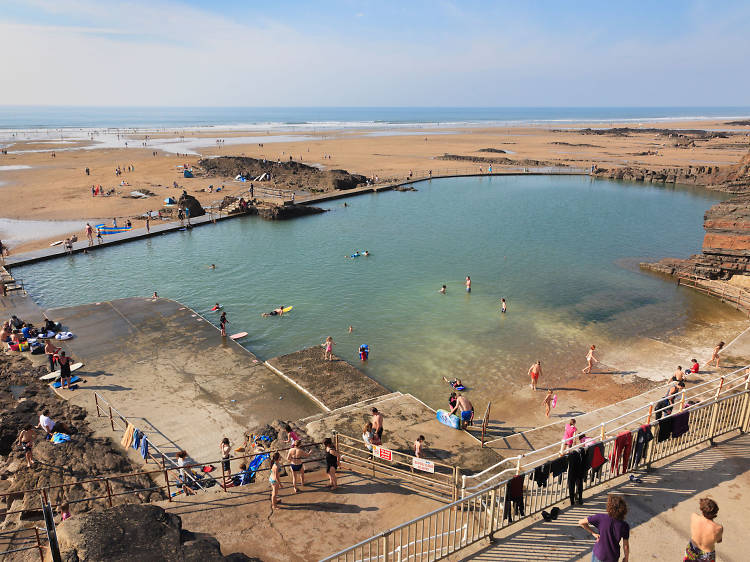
(602, 433)
(384, 539)
(39, 544)
(223, 476)
(714, 414)
(111, 421)
(650, 412)
(493, 510)
(96, 401)
(109, 491)
(166, 477)
(746, 406)
(456, 472)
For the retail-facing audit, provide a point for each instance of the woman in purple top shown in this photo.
(611, 528)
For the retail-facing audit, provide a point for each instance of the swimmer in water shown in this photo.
(351, 329)
(217, 306)
(212, 266)
(468, 284)
(503, 306)
(442, 290)
(275, 312)
(455, 383)
(366, 253)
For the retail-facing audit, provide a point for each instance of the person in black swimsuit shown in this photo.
(332, 462)
(64, 361)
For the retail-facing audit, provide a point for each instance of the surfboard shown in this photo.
(450, 420)
(287, 309)
(56, 374)
(56, 243)
(58, 384)
(238, 336)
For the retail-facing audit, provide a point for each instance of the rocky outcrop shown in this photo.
(288, 174)
(281, 212)
(136, 532)
(692, 175)
(726, 244)
(499, 160)
(669, 133)
(22, 398)
(192, 204)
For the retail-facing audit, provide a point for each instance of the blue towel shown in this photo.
(137, 438)
(58, 438)
(144, 447)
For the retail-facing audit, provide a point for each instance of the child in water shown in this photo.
(503, 306)
(442, 290)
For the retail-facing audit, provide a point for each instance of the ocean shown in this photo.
(312, 118)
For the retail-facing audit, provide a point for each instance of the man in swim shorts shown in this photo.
(467, 410)
(535, 371)
(704, 533)
(377, 424)
(26, 440)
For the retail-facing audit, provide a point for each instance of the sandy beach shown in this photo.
(40, 187)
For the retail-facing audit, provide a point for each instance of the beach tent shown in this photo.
(169, 201)
(187, 174)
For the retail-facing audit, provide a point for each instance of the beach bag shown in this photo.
(37, 349)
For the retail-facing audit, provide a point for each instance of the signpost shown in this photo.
(423, 465)
(383, 453)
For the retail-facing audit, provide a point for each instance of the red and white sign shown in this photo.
(423, 465)
(383, 453)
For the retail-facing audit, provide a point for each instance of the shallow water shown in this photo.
(559, 249)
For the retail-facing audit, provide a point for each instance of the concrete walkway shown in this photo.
(170, 371)
(658, 511)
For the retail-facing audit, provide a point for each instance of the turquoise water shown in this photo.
(559, 249)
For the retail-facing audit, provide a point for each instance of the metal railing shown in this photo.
(736, 296)
(429, 477)
(633, 418)
(453, 527)
(20, 540)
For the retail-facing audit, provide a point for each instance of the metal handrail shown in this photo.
(742, 373)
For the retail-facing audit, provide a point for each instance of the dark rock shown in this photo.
(191, 203)
(135, 532)
(281, 212)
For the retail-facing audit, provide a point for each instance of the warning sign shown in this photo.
(423, 465)
(383, 453)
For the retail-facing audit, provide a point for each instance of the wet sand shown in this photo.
(58, 188)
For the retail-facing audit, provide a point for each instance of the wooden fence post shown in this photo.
(96, 401)
(746, 406)
(493, 509)
(111, 421)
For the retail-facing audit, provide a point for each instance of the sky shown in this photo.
(374, 53)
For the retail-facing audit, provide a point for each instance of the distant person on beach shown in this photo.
(99, 238)
(547, 402)
(90, 234)
(535, 371)
(148, 223)
(694, 368)
(223, 323)
(715, 355)
(377, 423)
(332, 462)
(419, 447)
(443, 290)
(704, 533)
(590, 359)
(570, 431)
(503, 306)
(328, 354)
(274, 479)
(611, 528)
(468, 284)
(26, 441)
(467, 410)
(351, 329)
(226, 453)
(295, 456)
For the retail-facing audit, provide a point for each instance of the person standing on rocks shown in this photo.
(535, 371)
(295, 456)
(26, 441)
(64, 361)
(328, 354)
(377, 424)
(274, 479)
(704, 532)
